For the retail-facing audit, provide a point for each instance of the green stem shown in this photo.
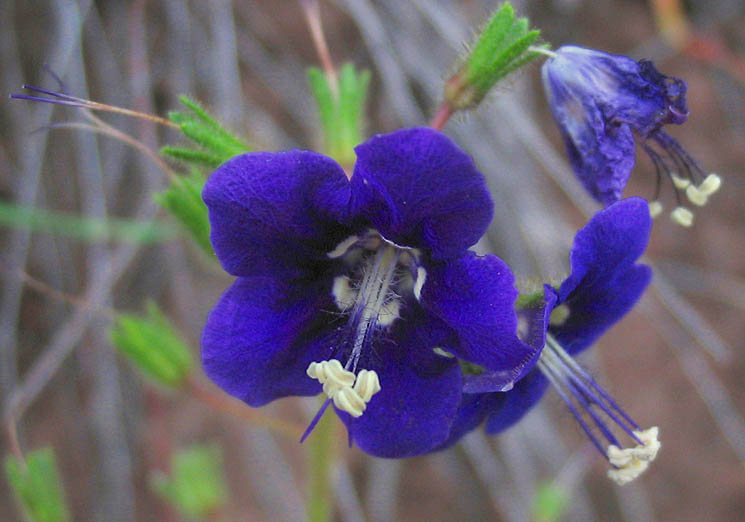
(320, 459)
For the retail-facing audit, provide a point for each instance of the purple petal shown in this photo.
(475, 297)
(513, 405)
(262, 335)
(276, 208)
(533, 323)
(420, 393)
(418, 189)
(605, 282)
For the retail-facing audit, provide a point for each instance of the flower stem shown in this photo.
(320, 458)
(442, 116)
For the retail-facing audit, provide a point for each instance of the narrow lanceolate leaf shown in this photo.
(153, 345)
(183, 200)
(214, 144)
(37, 487)
(84, 228)
(341, 110)
(195, 485)
(504, 45)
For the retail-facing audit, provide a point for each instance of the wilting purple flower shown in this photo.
(602, 102)
(364, 285)
(604, 284)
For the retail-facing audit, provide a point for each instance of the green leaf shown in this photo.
(183, 199)
(37, 487)
(84, 228)
(502, 47)
(550, 503)
(214, 144)
(196, 485)
(153, 345)
(342, 114)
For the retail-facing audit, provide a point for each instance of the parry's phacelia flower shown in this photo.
(601, 102)
(603, 285)
(362, 285)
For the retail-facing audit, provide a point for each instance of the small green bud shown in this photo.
(37, 486)
(195, 487)
(153, 345)
(549, 503)
(183, 199)
(341, 113)
(502, 47)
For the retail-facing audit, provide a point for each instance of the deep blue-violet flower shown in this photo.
(361, 288)
(602, 102)
(605, 282)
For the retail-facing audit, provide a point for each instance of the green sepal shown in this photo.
(502, 47)
(37, 487)
(215, 144)
(532, 300)
(153, 345)
(196, 485)
(183, 199)
(550, 503)
(341, 114)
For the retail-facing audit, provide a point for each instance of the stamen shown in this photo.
(586, 399)
(680, 183)
(682, 216)
(349, 393)
(342, 247)
(695, 196)
(710, 184)
(344, 295)
(421, 276)
(655, 208)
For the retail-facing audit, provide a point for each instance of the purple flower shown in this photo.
(362, 285)
(604, 284)
(602, 102)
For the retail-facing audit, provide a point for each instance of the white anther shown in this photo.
(344, 294)
(389, 312)
(655, 208)
(631, 462)
(711, 184)
(559, 315)
(682, 216)
(650, 444)
(348, 400)
(695, 196)
(367, 384)
(331, 374)
(421, 276)
(680, 183)
(628, 473)
(342, 247)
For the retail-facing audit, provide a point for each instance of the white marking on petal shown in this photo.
(443, 353)
(389, 312)
(342, 247)
(421, 276)
(344, 294)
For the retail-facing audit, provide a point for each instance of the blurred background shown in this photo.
(677, 361)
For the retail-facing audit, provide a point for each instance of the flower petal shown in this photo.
(475, 296)
(418, 189)
(513, 405)
(419, 395)
(604, 283)
(275, 208)
(262, 335)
